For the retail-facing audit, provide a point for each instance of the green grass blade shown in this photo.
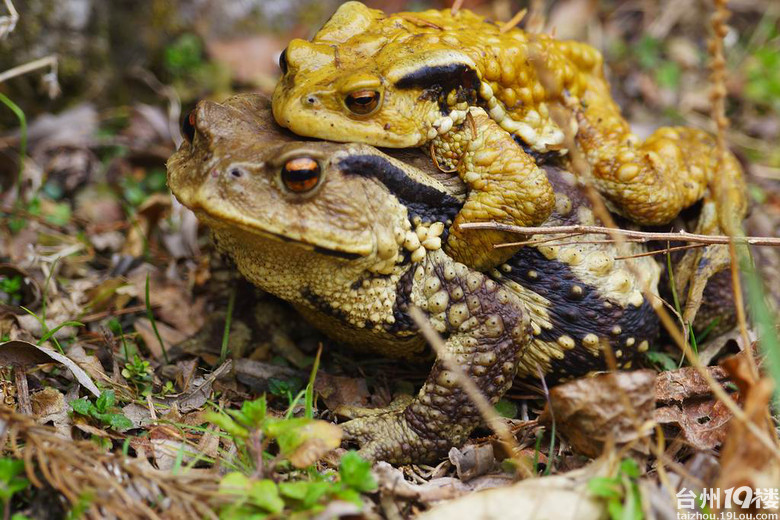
(19, 113)
(150, 315)
(223, 354)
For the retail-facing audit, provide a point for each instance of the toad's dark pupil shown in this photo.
(363, 102)
(283, 61)
(188, 126)
(301, 175)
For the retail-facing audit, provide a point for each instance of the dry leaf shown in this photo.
(613, 407)
(319, 438)
(684, 400)
(558, 497)
(746, 461)
(26, 354)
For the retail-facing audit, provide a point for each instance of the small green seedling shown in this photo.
(11, 289)
(621, 492)
(12, 481)
(256, 498)
(139, 374)
(103, 411)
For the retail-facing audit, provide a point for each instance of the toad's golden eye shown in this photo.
(301, 175)
(362, 102)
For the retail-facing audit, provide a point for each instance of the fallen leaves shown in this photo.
(560, 497)
(25, 355)
(744, 459)
(685, 402)
(608, 409)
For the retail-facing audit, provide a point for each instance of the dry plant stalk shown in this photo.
(721, 189)
(8, 22)
(626, 234)
(111, 485)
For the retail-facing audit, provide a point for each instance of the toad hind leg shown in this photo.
(652, 181)
(505, 185)
(486, 328)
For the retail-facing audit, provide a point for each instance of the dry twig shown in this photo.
(115, 486)
(635, 236)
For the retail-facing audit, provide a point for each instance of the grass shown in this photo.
(150, 315)
(763, 319)
(277, 448)
(19, 113)
(223, 354)
(621, 492)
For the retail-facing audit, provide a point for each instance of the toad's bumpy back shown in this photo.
(402, 80)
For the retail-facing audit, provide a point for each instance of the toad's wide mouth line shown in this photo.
(223, 221)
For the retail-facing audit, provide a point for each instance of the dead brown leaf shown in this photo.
(744, 459)
(339, 391)
(560, 497)
(684, 400)
(49, 407)
(318, 438)
(173, 303)
(169, 335)
(590, 412)
(22, 353)
(473, 460)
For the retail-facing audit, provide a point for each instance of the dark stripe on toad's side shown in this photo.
(337, 254)
(438, 81)
(578, 314)
(448, 77)
(430, 204)
(403, 299)
(322, 305)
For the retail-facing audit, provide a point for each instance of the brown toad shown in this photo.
(353, 239)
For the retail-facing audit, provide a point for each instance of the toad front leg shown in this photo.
(505, 185)
(486, 327)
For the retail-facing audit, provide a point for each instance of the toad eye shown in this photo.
(301, 175)
(283, 61)
(188, 127)
(362, 102)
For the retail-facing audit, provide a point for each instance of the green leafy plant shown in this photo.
(167, 389)
(649, 53)
(138, 372)
(762, 71)
(12, 481)
(136, 190)
(300, 441)
(184, 55)
(286, 388)
(621, 492)
(11, 289)
(257, 498)
(103, 411)
(506, 408)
